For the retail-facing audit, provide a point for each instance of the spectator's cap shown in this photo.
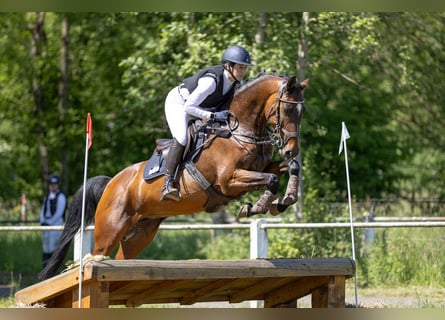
(54, 179)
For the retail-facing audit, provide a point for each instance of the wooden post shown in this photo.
(336, 292)
(319, 297)
(94, 295)
(23, 209)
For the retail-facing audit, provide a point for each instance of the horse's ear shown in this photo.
(305, 83)
(291, 82)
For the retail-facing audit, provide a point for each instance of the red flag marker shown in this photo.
(89, 130)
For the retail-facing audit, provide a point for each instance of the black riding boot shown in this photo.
(170, 191)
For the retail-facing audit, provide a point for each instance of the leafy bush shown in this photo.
(177, 244)
(230, 245)
(405, 257)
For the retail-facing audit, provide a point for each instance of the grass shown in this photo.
(397, 297)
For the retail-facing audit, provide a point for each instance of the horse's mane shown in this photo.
(245, 85)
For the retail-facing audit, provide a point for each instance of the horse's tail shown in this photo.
(94, 188)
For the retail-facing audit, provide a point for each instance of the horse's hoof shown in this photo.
(289, 199)
(273, 209)
(244, 211)
(277, 207)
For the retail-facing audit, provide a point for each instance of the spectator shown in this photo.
(52, 214)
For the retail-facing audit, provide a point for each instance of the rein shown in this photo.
(272, 137)
(243, 136)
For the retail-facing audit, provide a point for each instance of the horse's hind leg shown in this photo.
(137, 238)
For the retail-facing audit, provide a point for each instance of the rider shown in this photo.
(202, 95)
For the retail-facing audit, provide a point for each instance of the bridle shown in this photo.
(275, 136)
(279, 130)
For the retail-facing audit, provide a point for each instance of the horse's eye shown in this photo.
(288, 108)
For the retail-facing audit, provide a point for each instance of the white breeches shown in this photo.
(175, 114)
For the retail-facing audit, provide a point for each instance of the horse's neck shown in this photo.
(251, 112)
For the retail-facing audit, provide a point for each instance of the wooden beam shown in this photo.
(48, 289)
(293, 291)
(195, 295)
(139, 299)
(257, 291)
(118, 270)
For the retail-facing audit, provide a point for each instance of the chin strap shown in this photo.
(231, 73)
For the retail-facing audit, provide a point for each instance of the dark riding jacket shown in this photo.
(216, 100)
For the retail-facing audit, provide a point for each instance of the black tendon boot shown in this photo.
(170, 191)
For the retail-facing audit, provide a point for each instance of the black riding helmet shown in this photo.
(236, 54)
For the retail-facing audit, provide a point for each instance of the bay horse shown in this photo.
(127, 210)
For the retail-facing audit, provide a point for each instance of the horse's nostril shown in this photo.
(288, 154)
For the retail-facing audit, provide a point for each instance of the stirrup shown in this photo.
(169, 192)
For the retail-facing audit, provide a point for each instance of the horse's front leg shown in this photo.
(291, 194)
(249, 180)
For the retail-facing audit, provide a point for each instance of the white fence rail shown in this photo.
(258, 231)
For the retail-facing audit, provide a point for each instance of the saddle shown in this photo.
(198, 137)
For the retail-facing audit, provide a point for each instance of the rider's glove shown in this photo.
(220, 116)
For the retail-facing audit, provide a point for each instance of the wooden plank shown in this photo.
(293, 291)
(121, 289)
(48, 289)
(140, 298)
(257, 290)
(195, 295)
(118, 270)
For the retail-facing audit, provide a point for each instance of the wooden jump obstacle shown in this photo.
(278, 282)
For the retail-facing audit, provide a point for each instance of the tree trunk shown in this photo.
(38, 41)
(301, 74)
(263, 17)
(63, 100)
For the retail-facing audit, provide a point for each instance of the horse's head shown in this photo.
(270, 100)
(285, 113)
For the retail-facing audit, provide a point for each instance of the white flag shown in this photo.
(344, 136)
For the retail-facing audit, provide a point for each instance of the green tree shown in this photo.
(378, 72)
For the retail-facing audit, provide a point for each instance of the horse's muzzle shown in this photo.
(287, 154)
